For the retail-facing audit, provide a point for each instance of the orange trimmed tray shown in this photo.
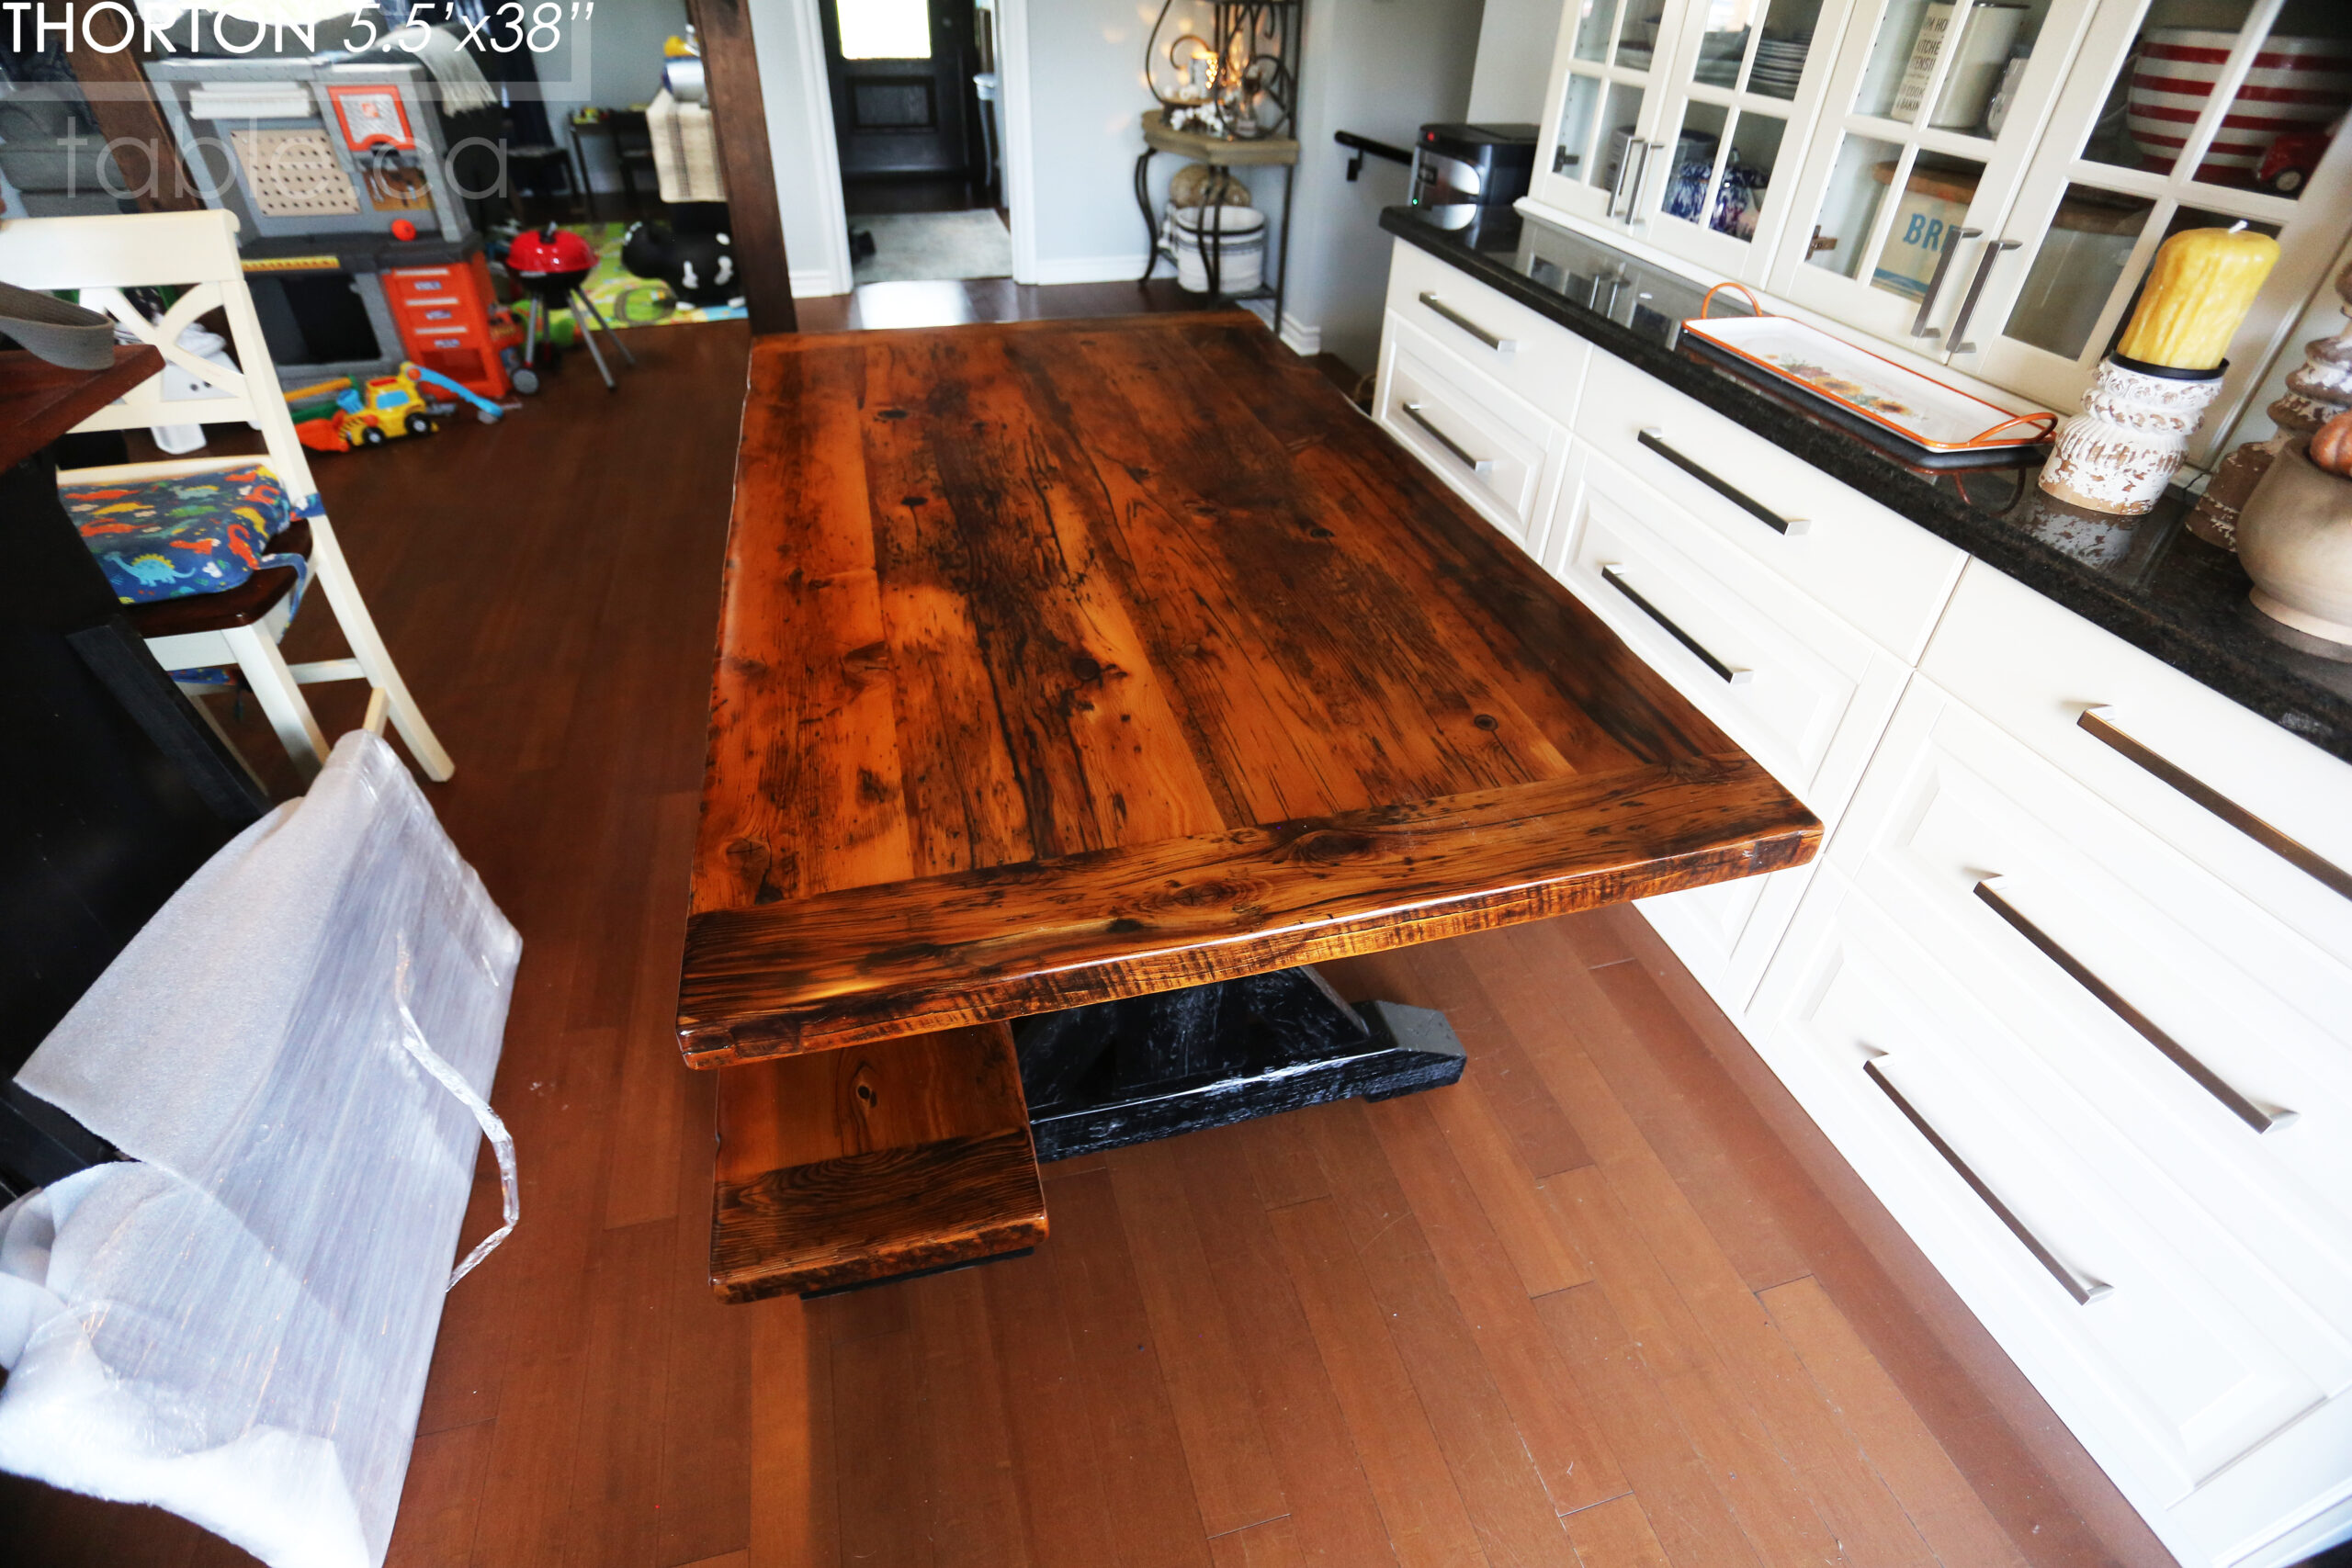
(1939, 420)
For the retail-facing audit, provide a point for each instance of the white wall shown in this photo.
(618, 65)
(1382, 68)
(800, 144)
(1514, 61)
(1379, 67)
(1086, 101)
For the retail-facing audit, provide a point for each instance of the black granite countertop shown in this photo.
(2147, 579)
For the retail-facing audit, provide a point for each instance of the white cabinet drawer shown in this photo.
(2211, 1038)
(2028, 1201)
(1726, 931)
(1499, 452)
(1538, 359)
(1885, 574)
(2035, 670)
(1800, 690)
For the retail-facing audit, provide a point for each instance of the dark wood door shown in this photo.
(902, 115)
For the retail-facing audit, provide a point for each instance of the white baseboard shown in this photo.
(1089, 269)
(815, 282)
(1302, 338)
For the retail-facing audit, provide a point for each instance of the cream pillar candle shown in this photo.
(2199, 292)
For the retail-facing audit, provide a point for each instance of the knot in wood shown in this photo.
(1698, 769)
(1218, 893)
(1330, 846)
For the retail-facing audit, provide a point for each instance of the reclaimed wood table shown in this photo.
(1079, 683)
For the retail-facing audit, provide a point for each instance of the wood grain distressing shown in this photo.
(846, 1166)
(1067, 660)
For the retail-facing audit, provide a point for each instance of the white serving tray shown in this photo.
(1917, 409)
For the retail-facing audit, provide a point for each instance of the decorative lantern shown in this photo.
(1227, 69)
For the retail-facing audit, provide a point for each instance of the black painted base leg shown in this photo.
(1126, 1072)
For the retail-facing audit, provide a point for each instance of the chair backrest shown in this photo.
(197, 251)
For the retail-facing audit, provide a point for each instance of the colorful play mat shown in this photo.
(626, 299)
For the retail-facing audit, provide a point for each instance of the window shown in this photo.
(884, 29)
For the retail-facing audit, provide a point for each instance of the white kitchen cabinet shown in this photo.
(2070, 985)
(1797, 687)
(2210, 1034)
(2134, 1313)
(2013, 251)
(1498, 451)
(1495, 338)
(1981, 184)
(2003, 923)
(1883, 573)
(1607, 70)
(1906, 177)
(1672, 119)
(2252, 80)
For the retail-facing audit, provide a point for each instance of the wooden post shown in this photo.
(731, 66)
(122, 101)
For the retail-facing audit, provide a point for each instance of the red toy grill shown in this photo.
(551, 264)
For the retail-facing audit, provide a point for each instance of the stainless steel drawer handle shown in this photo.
(1655, 439)
(1953, 240)
(2246, 1110)
(1616, 578)
(1626, 167)
(1447, 312)
(1481, 466)
(2300, 856)
(2084, 1288)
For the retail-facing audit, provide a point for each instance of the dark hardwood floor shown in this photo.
(1608, 1303)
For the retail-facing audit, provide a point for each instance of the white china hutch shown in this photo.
(1980, 185)
(2070, 985)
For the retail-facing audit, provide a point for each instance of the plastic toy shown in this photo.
(2291, 160)
(551, 264)
(484, 410)
(384, 409)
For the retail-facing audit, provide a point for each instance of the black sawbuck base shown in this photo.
(1144, 1068)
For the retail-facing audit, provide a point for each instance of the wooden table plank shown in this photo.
(1047, 646)
(901, 958)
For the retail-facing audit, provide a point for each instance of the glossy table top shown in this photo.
(1061, 662)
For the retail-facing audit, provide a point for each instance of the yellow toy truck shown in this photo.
(382, 408)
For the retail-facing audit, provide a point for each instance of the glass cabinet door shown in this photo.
(1934, 108)
(2182, 114)
(1595, 150)
(1732, 124)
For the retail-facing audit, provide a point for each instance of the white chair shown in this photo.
(198, 250)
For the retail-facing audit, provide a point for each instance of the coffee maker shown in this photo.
(1463, 171)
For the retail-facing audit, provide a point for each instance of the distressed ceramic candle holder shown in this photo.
(2118, 455)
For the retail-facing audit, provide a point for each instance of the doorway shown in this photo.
(913, 84)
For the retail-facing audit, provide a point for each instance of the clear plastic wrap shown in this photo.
(296, 1051)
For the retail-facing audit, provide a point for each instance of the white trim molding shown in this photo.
(833, 273)
(1302, 338)
(1122, 268)
(1020, 166)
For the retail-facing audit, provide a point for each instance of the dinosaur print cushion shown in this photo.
(196, 534)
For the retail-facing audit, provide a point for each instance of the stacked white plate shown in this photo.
(1779, 65)
(2294, 84)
